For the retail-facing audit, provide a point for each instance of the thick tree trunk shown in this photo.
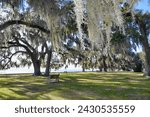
(147, 63)
(48, 63)
(37, 66)
(146, 47)
(104, 64)
(147, 56)
(100, 69)
(83, 67)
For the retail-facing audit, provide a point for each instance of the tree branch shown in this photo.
(11, 58)
(12, 22)
(27, 44)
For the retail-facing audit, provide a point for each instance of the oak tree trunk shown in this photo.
(146, 47)
(104, 64)
(48, 63)
(83, 67)
(37, 66)
(147, 56)
(145, 44)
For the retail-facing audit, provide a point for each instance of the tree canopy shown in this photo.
(83, 32)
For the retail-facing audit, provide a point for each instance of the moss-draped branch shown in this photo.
(32, 25)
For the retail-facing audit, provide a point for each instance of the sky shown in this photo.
(143, 5)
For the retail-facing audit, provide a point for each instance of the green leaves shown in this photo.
(118, 38)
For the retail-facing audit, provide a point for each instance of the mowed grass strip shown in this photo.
(76, 86)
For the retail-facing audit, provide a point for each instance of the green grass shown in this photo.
(72, 86)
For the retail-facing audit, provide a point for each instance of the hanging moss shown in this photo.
(98, 15)
(101, 16)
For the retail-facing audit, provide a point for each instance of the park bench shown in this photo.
(53, 78)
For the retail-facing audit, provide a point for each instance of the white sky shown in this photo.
(70, 68)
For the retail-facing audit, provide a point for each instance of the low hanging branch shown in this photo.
(32, 25)
(10, 58)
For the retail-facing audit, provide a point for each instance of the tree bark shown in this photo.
(145, 44)
(48, 63)
(104, 64)
(147, 65)
(100, 69)
(147, 56)
(37, 66)
(83, 67)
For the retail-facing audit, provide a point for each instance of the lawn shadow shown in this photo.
(76, 86)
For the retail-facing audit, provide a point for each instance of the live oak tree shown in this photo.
(143, 21)
(29, 45)
(139, 31)
(100, 16)
(97, 57)
(17, 38)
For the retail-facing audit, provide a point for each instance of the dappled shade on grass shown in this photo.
(89, 85)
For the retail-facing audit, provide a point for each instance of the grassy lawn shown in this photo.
(89, 85)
